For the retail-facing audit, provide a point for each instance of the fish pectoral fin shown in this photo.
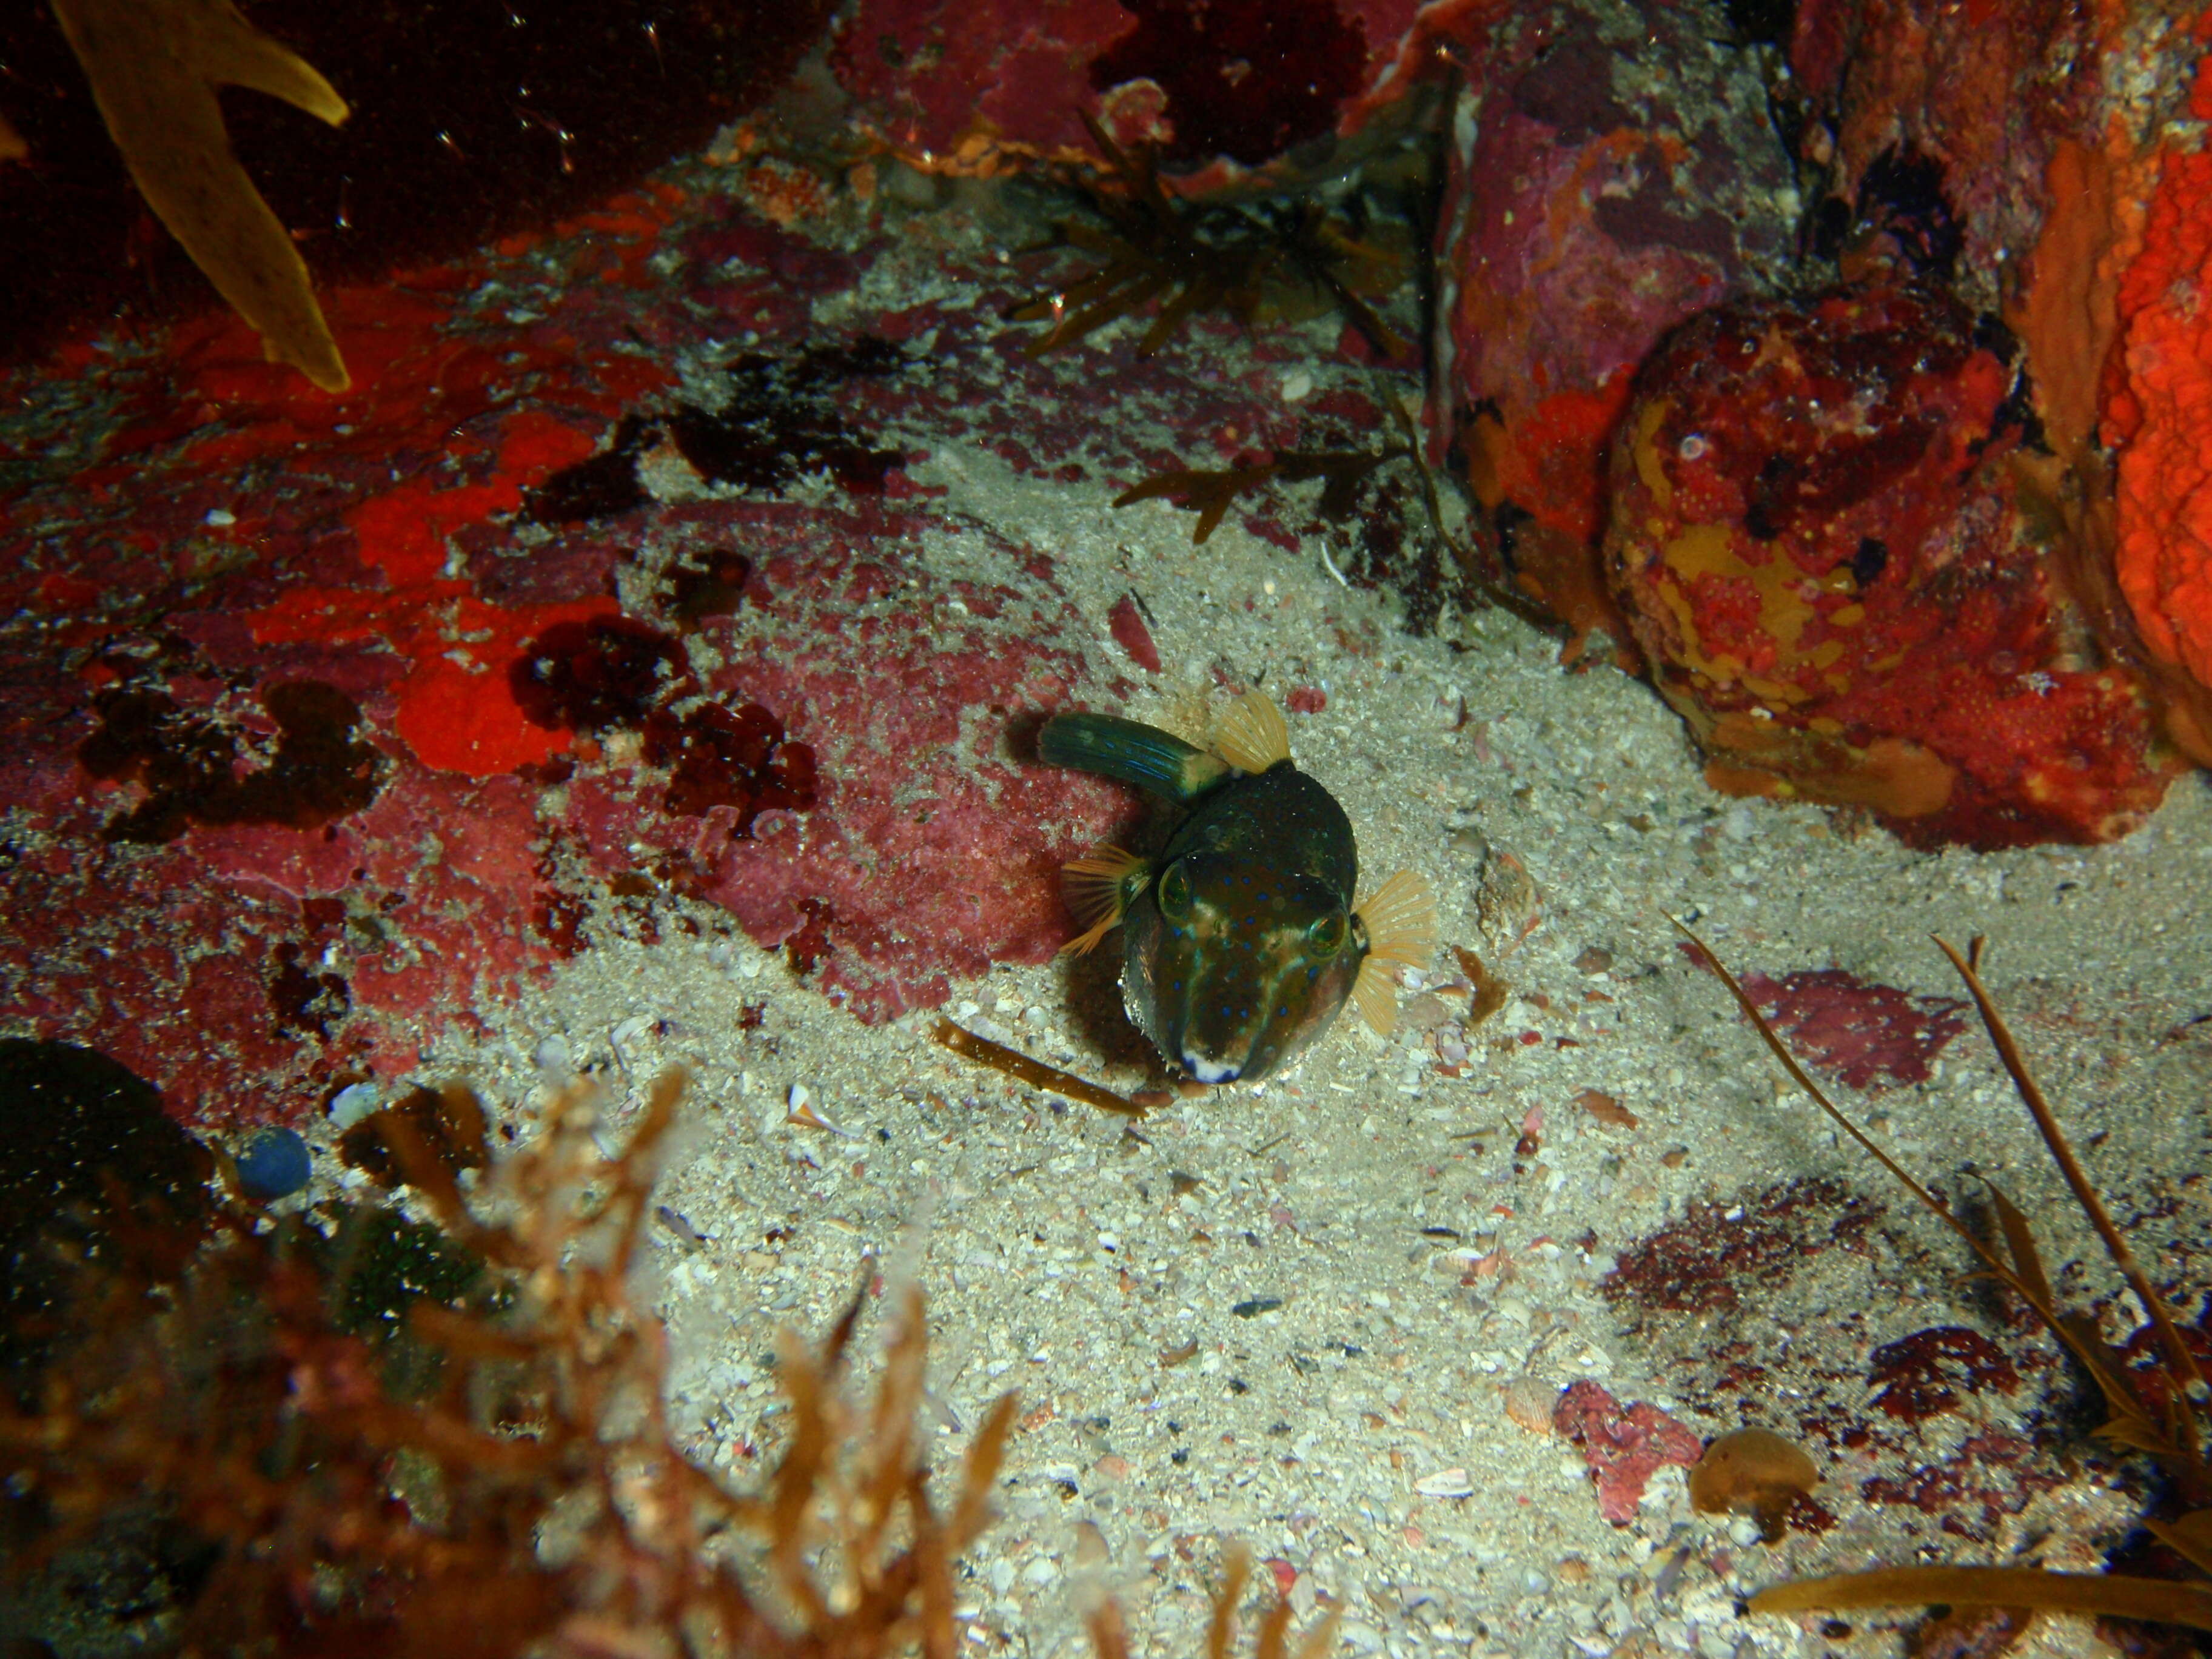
(1097, 890)
(1399, 920)
(1376, 995)
(1253, 736)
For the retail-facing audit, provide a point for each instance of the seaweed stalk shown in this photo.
(2176, 1444)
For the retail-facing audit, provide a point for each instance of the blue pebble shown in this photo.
(273, 1164)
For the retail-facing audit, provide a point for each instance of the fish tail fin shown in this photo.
(1097, 889)
(1129, 752)
(1253, 736)
(1400, 919)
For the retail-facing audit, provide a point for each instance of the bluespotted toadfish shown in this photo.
(1241, 939)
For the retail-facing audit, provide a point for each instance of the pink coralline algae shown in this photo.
(517, 703)
(927, 848)
(1624, 1445)
(1126, 625)
(1869, 1037)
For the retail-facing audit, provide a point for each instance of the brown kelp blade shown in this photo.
(1211, 492)
(2111, 1595)
(2129, 1425)
(1221, 1628)
(2181, 1364)
(2189, 1538)
(1013, 1063)
(2020, 1241)
(155, 66)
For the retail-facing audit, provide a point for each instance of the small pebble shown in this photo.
(352, 1103)
(273, 1164)
(552, 1059)
(1425, 1012)
(221, 518)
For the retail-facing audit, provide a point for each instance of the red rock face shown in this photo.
(923, 847)
(347, 717)
(1828, 563)
(1209, 81)
(1618, 180)
(2153, 415)
(467, 122)
(1966, 85)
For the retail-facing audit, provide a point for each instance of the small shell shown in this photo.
(1529, 1401)
(1446, 1483)
(1506, 900)
(801, 1110)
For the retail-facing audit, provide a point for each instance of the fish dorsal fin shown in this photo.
(1400, 918)
(1097, 890)
(1253, 736)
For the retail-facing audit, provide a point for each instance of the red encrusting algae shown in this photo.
(1836, 576)
(2158, 410)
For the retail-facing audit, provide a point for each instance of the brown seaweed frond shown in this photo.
(534, 1497)
(1013, 1063)
(2101, 1595)
(1210, 493)
(1196, 258)
(155, 67)
(2170, 1428)
(1109, 1638)
(1271, 1640)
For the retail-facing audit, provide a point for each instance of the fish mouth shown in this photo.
(1209, 1071)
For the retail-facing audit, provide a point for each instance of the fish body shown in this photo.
(1242, 936)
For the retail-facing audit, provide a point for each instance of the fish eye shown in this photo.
(1175, 894)
(1326, 937)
